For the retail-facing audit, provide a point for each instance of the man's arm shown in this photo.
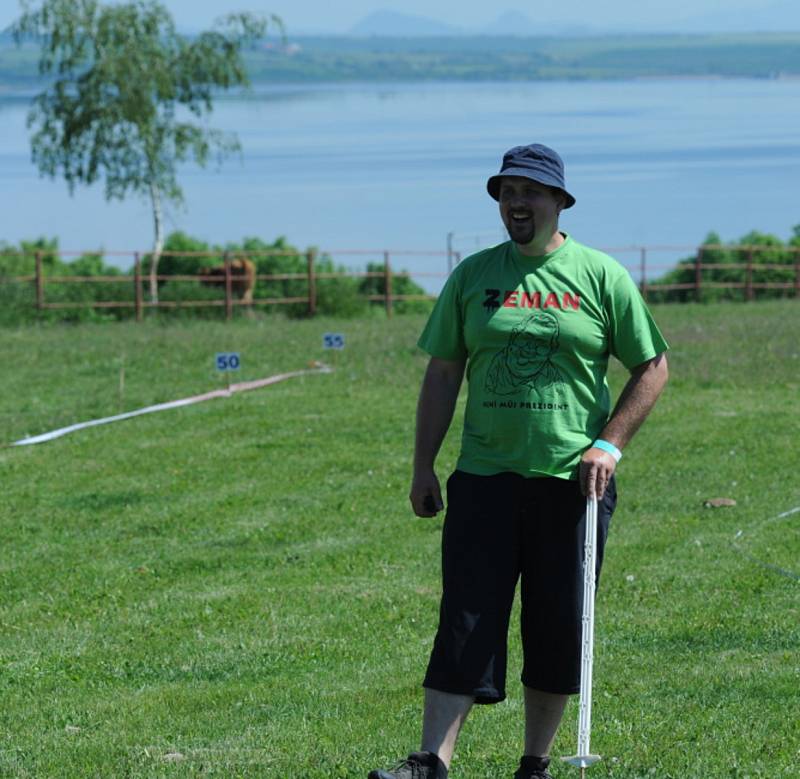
(437, 401)
(634, 404)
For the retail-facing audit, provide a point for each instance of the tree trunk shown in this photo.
(158, 245)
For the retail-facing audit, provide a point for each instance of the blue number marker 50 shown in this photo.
(228, 361)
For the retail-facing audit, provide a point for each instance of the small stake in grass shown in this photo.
(583, 759)
(121, 398)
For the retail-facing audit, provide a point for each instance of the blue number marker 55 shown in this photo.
(333, 341)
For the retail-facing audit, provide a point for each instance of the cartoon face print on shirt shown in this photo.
(525, 362)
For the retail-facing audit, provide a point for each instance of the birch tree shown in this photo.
(129, 97)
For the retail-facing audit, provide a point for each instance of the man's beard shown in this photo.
(522, 234)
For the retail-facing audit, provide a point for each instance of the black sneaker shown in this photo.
(533, 768)
(418, 765)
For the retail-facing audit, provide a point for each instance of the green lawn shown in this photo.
(238, 588)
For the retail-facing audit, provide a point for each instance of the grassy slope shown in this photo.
(324, 59)
(241, 582)
(520, 59)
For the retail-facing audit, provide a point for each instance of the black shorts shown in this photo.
(497, 530)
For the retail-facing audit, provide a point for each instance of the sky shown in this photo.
(324, 16)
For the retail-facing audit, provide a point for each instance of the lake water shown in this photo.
(658, 162)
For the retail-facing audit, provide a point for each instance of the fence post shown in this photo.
(797, 275)
(387, 283)
(137, 286)
(39, 282)
(748, 288)
(228, 288)
(643, 272)
(697, 273)
(449, 253)
(311, 258)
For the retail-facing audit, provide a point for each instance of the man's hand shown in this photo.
(426, 495)
(437, 399)
(597, 468)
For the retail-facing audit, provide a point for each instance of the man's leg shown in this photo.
(552, 603)
(543, 713)
(480, 568)
(445, 713)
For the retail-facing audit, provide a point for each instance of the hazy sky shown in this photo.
(324, 15)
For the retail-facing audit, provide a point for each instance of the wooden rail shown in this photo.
(229, 301)
(700, 273)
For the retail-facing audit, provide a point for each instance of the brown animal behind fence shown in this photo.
(243, 278)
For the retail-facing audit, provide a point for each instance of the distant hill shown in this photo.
(520, 25)
(775, 16)
(513, 23)
(396, 24)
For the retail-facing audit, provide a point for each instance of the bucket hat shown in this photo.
(535, 161)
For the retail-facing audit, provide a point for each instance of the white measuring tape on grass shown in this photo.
(763, 563)
(244, 386)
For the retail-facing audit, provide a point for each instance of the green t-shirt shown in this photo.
(537, 333)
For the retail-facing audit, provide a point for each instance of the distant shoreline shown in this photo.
(10, 93)
(338, 59)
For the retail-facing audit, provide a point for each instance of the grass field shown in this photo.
(238, 589)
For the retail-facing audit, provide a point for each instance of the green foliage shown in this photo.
(760, 249)
(338, 294)
(122, 83)
(91, 265)
(122, 77)
(173, 260)
(18, 297)
(19, 260)
(401, 285)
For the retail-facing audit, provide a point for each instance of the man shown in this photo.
(533, 321)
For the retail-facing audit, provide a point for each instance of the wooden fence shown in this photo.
(700, 272)
(229, 301)
(751, 268)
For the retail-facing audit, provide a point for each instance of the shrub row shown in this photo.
(760, 249)
(340, 296)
